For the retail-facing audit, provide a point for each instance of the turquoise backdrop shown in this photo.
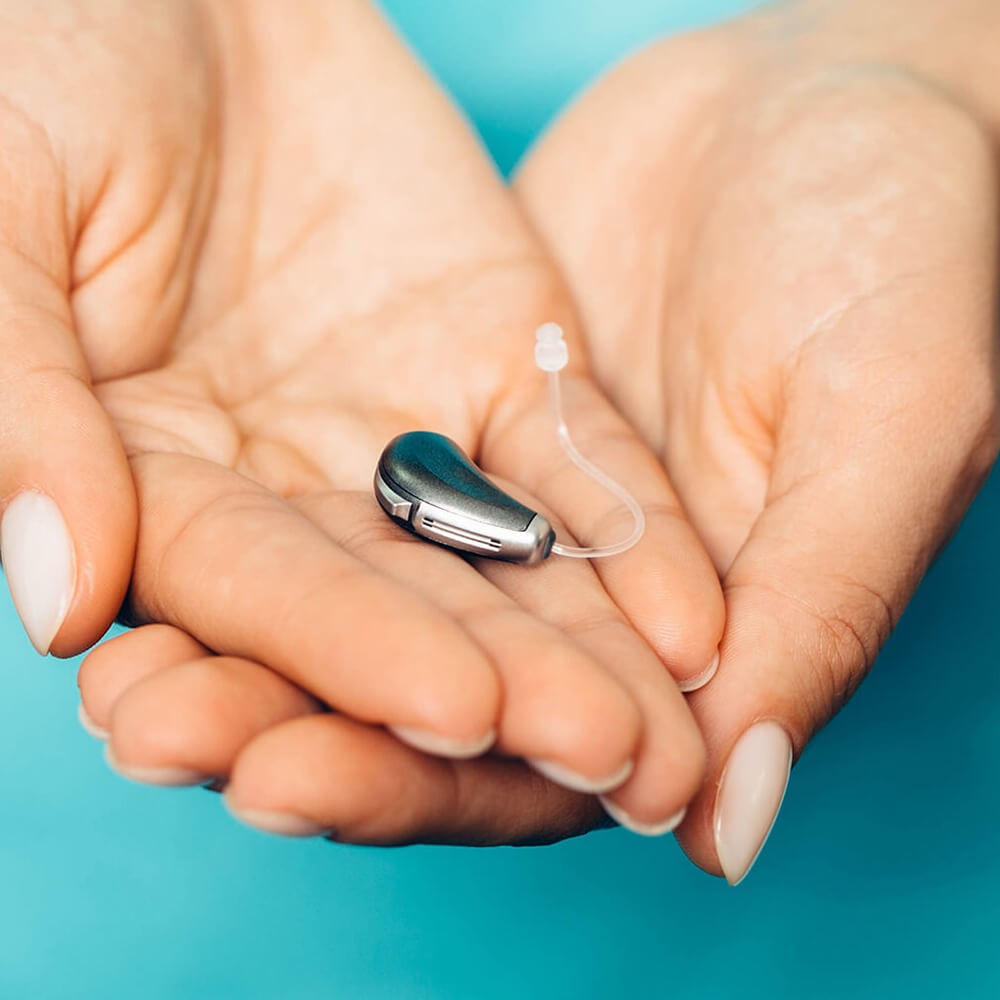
(882, 878)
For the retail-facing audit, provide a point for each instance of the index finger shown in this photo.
(665, 585)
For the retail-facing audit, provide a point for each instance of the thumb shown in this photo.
(68, 527)
(847, 532)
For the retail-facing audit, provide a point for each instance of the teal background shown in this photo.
(881, 879)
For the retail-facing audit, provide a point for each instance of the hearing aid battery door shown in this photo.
(427, 484)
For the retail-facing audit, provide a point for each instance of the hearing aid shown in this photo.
(430, 487)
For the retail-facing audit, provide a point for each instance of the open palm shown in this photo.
(278, 258)
(786, 274)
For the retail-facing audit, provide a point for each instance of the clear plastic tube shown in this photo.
(551, 356)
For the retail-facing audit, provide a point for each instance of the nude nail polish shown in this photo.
(699, 681)
(279, 823)
(750, 794)
(443, 746)
(569, 778)
(98, 732)
(166, 777)
(623, 818)
(40, 565)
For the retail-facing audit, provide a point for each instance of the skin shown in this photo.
(793, 296)
(228, 283)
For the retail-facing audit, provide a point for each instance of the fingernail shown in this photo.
(168, 777)
(279, 823)
(695, 683)
(622, 818)
(90, 726)
(38, 560)
(443, 746)
(568, 778)
(750, 793)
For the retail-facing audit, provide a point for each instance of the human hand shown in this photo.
(274, 250)
(802, 236)
(781, 236)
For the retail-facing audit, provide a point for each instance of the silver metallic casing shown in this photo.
(447, 500)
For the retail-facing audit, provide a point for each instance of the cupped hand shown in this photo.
(783, 244)
(244, 248)
(782, 241)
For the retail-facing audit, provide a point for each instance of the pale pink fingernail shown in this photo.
(700, 680)
(750, 795)
(168, 777)
(40, 565)
(623, 818)
(569, 778)
(90, 726)
(444, 746)
(281, 824)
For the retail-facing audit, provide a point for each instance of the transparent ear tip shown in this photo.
(549, 333)
(551, 353)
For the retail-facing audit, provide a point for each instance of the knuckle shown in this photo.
(984, 408)
(847, 636)
(830, 645)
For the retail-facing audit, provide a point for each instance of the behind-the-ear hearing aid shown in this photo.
(427, 484)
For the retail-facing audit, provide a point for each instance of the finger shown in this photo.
(830, 564)
(562, 709)
(185, 724)
(666, 585)
(69, 512)
(244, 573)
(187, 721)
(327, 775)
(115, 665)
(670, 758)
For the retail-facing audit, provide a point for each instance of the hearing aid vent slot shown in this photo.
(449, 531)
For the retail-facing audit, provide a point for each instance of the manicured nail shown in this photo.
(568, 778)
(622, 818)
(695, 683)
(443, 746)
(750, 793)
(40, 565)
(91, 727)
(168, 777)
(279, 823)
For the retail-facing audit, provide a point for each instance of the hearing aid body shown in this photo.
(426, 483)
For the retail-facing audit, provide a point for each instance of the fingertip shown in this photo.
(166, 777)
(624, 819)
(200, 714)
(90, 726)
(69, 526)
(668, 777)
(40, 564)
(698, 681)
(559, 774)
(149, 735)
(451, 704)
(279, 824)
(695, 834)
(302, 767)
(581, 727)
(681, 614)
(444, 746)
(114, 666)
